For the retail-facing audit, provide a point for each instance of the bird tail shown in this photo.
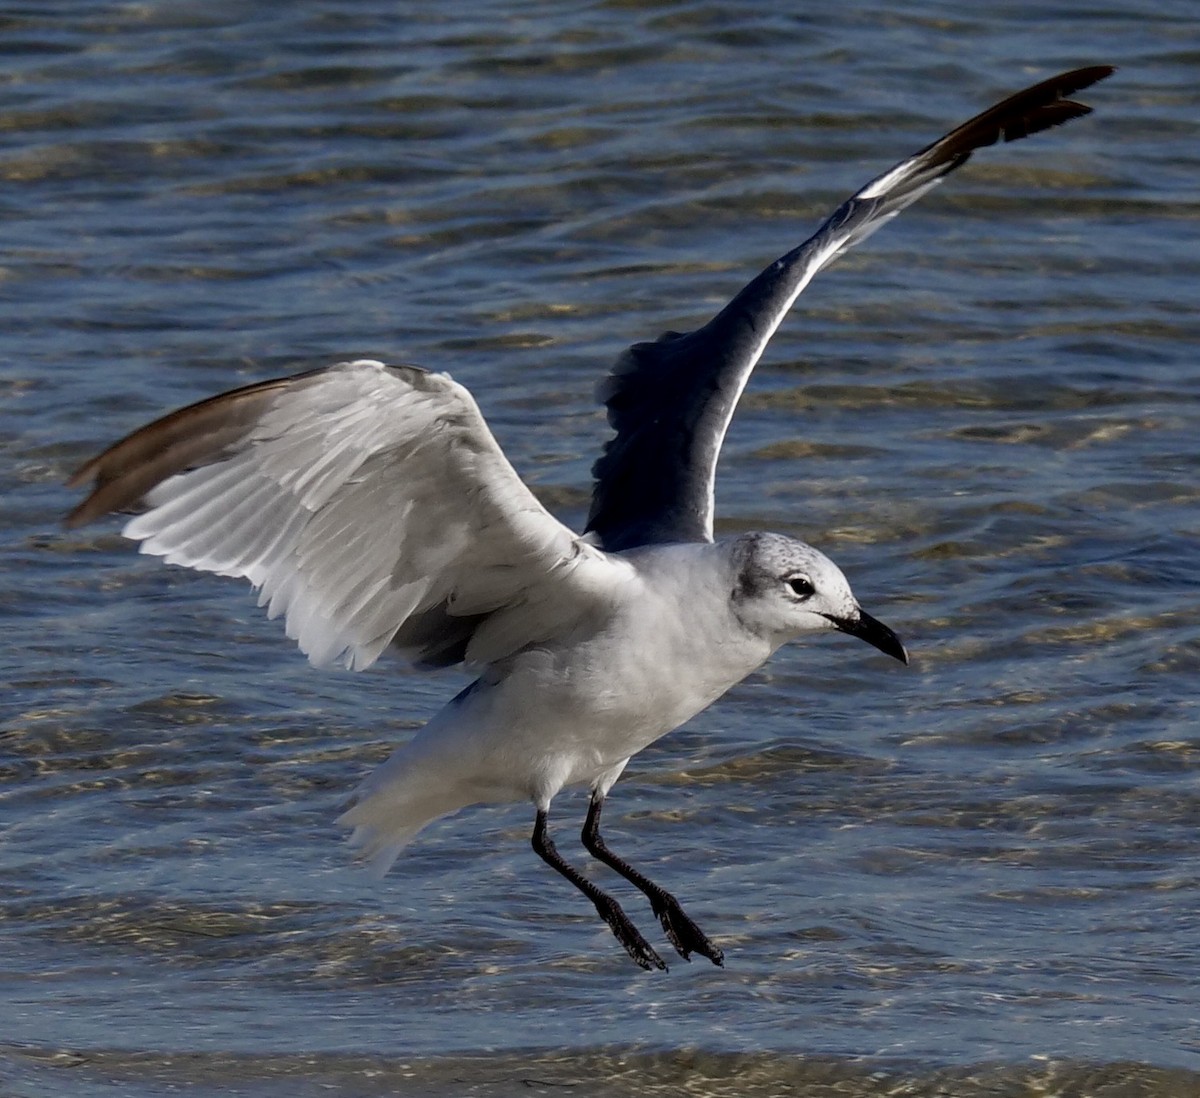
(434, 773)
(379, 845)
(386, 812)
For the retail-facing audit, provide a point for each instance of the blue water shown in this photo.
(980, 875)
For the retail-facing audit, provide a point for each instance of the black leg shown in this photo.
(610, 911)
(684, 934)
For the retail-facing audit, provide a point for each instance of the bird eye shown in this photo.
(801, 586)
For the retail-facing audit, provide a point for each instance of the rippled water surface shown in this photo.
(976, 876)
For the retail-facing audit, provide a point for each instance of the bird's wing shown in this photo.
(370, 504)
(670, 401)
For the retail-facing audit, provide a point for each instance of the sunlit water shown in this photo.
(980, 875)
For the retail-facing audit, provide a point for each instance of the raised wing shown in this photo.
(369, 504)
(671, 401)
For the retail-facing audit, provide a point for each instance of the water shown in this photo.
(979, 876)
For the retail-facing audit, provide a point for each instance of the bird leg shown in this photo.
(610, 911)
(684, 934)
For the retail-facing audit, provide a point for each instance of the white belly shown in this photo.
(547, 719)
(572, 712)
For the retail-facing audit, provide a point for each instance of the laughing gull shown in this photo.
(371, 507)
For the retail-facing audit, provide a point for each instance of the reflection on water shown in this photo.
(602, 1073)
(979, 876)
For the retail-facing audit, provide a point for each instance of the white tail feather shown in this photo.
(395, 801)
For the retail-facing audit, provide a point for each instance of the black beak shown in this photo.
(874, 632)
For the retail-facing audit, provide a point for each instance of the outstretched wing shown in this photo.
(670, 401)
(369, 504)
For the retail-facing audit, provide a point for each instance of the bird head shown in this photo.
(784, 588)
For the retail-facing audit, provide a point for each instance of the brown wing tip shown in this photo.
(83, 474)
(106, 472)
(1076, 79)
(191, 436)
(83, 513)
(1044, 118)
(1063, 109)
(1060, 110)
(86, 510)
(1036, 108)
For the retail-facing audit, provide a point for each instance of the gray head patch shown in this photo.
(758, 561)
(764, 563)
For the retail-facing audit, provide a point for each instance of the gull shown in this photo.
(373, 510)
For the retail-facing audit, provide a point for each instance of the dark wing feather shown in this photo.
(196, 435)
(670, 401)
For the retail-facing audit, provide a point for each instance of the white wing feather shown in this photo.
(366, 494)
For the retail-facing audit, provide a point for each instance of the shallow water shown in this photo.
(977, 876)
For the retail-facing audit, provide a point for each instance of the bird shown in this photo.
(372, 508)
